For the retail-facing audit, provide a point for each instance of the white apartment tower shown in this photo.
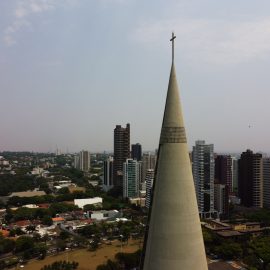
(82, 161)
(131, 178)
(203, 168)
(77, 162)
(149, 184)
(107, 183)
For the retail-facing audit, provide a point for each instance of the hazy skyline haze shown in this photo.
(73, 69)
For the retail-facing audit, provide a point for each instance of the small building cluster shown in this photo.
(235, 230)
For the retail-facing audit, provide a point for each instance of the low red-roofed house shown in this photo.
(5, 233)
(58, 220)
(23, 223)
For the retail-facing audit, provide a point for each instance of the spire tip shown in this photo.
(172, 40)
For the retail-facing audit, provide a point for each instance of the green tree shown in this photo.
(6, 245)
(16, 232)
(45, 238)
(64, 235)
(63, 190)
(41, 250)
(47, 220)
(262, 215)
(229, 250)
(262, 249)
(90, 207)
(252, 261)
(122, 261)
(14, 183)
(129, 260)
(60, 244)
(24, 243)
(89, 231)
(30, 228)
(24, 213)
(207, 237)
(61, 265)
(94, 243)
(36, 237)
(110, 265)
(56, 208)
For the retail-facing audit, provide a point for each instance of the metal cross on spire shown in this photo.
(172, 40)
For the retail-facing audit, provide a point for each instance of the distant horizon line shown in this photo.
(111, 152)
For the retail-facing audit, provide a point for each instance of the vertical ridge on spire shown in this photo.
(174, 239)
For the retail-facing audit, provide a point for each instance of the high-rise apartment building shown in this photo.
(223, 171)
(77, 161)
(148, 163)
(250, 188)
(131, 178)
(136, 151)
(121, 153)
(221, 199)
(82, 161)
(203, 167)
(107, 174)
(266, 182)
(149, 184)
(235, 174)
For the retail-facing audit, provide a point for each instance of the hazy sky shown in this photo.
(70, 70)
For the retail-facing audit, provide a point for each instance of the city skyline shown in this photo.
(67, 64)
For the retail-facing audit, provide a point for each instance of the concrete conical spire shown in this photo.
(174, 240)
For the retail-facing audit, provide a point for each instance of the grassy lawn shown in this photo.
(88, 260)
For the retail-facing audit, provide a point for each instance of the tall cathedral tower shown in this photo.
(174, 237)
